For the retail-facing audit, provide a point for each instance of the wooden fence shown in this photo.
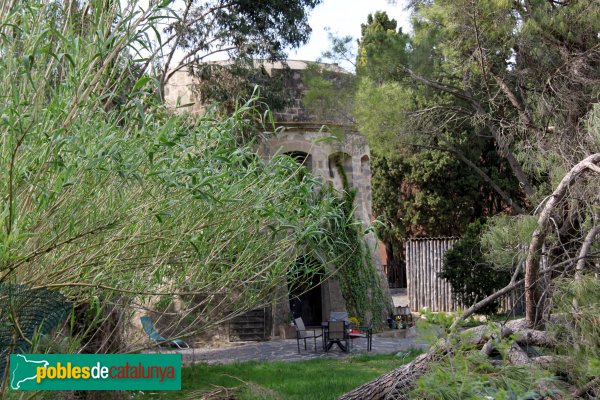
(424, 260)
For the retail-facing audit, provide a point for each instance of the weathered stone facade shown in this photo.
(302, 137)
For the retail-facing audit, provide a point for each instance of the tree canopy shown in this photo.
(506, 89)
(513, 72)
(240, 29)
(425, 183)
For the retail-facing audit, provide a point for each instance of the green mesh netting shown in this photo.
(34, 310)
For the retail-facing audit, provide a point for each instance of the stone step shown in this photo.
(252, 329)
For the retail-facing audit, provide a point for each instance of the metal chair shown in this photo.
(157, 338)
(337, 332)
(362, 332)
(302, 333)
(338, 316)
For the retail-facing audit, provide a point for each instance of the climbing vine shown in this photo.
(357, 275)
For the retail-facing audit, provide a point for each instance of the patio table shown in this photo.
(328, 344)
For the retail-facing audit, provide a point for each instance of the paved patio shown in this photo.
(287, 350)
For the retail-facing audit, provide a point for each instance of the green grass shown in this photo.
(312, 379)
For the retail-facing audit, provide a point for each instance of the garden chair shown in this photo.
(337, 332)
(338, 316)
(302, 333)
(157, 338)
(361, 332)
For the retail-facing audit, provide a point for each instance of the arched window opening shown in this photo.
(365, 166)
(301, 158)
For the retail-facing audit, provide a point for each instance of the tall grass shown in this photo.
(112, 200)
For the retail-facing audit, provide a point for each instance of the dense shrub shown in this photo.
(472, 278)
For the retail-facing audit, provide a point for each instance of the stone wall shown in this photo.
(178, 92)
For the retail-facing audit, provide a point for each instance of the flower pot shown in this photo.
(287, 331)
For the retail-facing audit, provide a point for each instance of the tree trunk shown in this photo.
(585, 250)
(397, 380)
(533, 294)
(517, 356)
(531, 337)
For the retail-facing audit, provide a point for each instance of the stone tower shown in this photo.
(301, 137)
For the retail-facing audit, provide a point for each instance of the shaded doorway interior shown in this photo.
(305, 298)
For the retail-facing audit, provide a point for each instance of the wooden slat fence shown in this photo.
(424, 260)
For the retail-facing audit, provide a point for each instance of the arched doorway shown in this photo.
(305, 296)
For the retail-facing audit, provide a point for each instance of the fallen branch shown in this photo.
(397, 383)
(532, 337)
(382, 386)
(548, 361)
(517, 356)
(491, 298)
(587, 387)
(585, 250)
(488, 348)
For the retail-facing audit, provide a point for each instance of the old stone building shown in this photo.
(301, 136)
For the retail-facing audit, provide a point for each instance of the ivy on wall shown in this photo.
(357, 275)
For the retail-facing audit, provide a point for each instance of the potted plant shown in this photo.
(287, 330)
(399, 323)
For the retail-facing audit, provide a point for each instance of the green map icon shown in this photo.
(24, 369)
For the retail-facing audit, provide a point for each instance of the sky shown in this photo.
(344, 17)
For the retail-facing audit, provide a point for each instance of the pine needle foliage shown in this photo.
(576, 323)
(465, 373)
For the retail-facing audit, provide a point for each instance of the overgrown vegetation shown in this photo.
(471, 277)
(118, 203)
(466, 373)
(576, 324)
(359, 281)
